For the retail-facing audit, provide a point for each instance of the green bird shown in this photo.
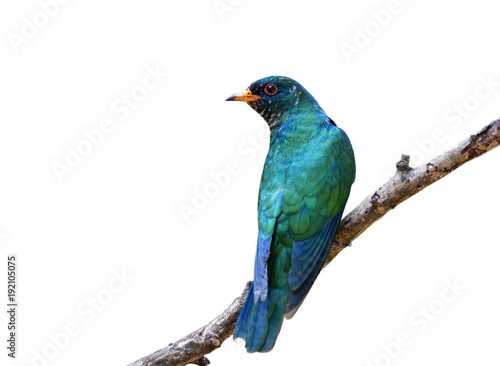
(305, 184)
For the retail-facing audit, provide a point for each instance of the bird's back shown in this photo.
(304, 188)
(305, 184)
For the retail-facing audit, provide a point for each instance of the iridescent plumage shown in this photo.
(305, 184)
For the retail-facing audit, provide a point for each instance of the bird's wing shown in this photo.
(300, 206)
(315, 208)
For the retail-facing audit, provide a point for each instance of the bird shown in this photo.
(305, 183)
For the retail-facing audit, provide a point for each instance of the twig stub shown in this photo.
(403, 165)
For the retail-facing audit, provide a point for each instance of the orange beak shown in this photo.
(245, 96)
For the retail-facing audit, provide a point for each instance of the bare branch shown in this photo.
(192, 348)
(405, 183)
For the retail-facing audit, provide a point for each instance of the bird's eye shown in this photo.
(271, 89)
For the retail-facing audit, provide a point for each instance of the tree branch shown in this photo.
(193, 347)
(405, 183)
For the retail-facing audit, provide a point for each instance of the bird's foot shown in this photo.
(341, 245)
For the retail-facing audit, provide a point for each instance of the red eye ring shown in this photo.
(271, 89)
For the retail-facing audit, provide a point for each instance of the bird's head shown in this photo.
(273, 96)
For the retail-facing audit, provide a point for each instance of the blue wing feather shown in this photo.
(307, 262)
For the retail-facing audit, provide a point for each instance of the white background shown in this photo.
(119, 209)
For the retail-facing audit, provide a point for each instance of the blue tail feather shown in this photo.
(260, 321)
(276, 319)
(240, 330)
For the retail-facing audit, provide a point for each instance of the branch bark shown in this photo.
(405, 183)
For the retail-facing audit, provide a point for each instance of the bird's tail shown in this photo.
(260, 321)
